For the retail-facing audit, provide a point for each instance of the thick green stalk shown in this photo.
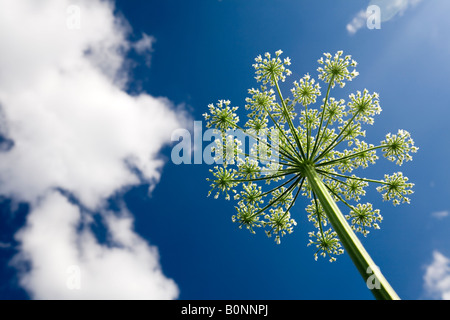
(371, 274)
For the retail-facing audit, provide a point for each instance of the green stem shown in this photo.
(308, 130)
(289, 121)
(284, 173)
(351, 177)
(283, 152)
(291, 187)
(316, 143)
(258, 158)
(333, 144)
(282, 132)
(277, 187)
(350, 156)
(349, 240)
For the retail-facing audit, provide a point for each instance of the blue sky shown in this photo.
(192, 54)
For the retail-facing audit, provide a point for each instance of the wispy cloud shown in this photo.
(358, 21)
(388, 10)
(437, 277)
(440, 214)
(76, 131)
(4, 245)
(144, 46)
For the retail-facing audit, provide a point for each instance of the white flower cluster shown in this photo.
(261, 102)
(307, 138)
(227, 150)
(326, 243)
(398, 147)
(221, 116)
(271, 69)
(364, 106)
(334, 70)
(396, 188)
(306, 91)
(364, 216)
(279, 222)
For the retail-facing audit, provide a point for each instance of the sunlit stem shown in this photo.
(349, 240)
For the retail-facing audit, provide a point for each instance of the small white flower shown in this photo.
(221, 116)
(398, 147)
(326, 243)
(271, 70)
(335, 70)
(306, 91)
(396, 188)
(364, 106)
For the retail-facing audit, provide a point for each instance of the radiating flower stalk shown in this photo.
(312, 152)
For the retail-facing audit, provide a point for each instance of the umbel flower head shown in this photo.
(300, 150)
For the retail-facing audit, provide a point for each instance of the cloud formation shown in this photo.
(72, 264)
(388, 10)
(358, 21)
(73, 129)
(437, 277)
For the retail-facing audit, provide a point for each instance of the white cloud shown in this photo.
(128, 269)
(74, 128)
(388, 10)
(437, 277)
